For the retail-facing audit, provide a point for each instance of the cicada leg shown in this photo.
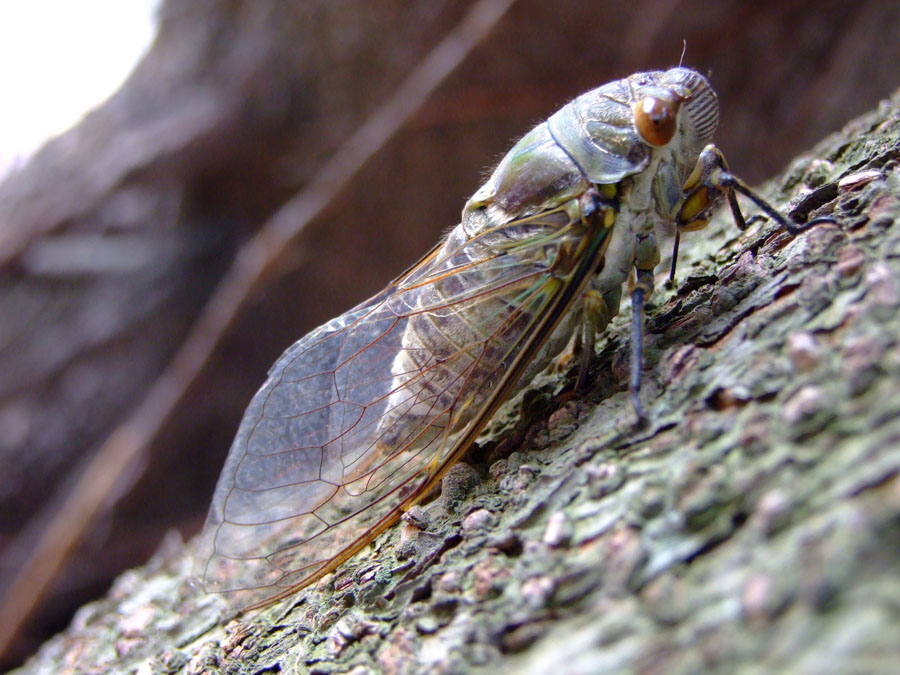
(598, 310)
(703, 190)
(596, 315)
(645, 261)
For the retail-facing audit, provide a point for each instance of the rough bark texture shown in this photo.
(754, 525)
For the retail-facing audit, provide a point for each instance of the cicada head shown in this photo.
(676, 106)
(676, 113)
(616, 130)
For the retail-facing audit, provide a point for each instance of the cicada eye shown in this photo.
(656, 120)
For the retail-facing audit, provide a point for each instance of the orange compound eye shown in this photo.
(656, 120)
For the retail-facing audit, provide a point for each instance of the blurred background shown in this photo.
(116, 233)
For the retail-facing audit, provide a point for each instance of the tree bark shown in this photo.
(753, 524)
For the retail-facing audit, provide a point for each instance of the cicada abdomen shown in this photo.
(361, 417)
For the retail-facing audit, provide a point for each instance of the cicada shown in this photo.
(360, 418)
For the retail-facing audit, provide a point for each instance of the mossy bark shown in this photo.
(753, 525)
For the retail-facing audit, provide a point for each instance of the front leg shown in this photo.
(599, 308)
(646, 259)
(709, 181)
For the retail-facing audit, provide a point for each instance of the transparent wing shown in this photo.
(361, 416)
